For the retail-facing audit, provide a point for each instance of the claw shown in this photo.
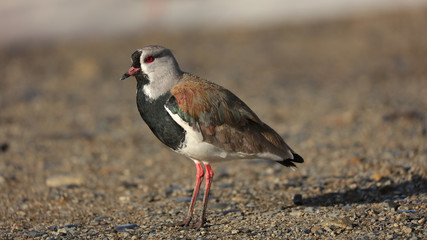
(197, 225)
(183, 223)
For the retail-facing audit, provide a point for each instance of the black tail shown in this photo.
(290, 162)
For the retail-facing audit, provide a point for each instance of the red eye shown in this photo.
(149, 59)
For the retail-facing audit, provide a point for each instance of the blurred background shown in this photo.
(343, 81)
(24, 21)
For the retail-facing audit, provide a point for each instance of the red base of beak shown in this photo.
(132, 72)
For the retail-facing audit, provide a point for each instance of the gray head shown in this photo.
(158, 66)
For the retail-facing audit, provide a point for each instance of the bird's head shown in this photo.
(157, 66)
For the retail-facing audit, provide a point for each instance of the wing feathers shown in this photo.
(223, 119)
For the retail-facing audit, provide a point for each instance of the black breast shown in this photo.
(158, 120)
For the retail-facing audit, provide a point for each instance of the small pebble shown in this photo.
(309, 209)
(228, 211)
(124, 234)
(355, 160)
(390, 205)
(33, 234)
(124, 199)
(376, 177)
(53, 228)
(407, 230)
(125, 227)
(250, 205)
(62, 231)
(102, 218)
(296, 213)
(338, 222)
(57, 181)
(69, 226)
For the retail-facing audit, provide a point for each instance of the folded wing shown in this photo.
(226, 121)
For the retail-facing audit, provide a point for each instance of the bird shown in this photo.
(200, 120)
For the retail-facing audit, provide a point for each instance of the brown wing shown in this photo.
(223, 119)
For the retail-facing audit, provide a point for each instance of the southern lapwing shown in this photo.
(200, 120)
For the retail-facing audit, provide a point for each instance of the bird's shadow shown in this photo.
(417, 185)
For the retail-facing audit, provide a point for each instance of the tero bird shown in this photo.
(200, 120)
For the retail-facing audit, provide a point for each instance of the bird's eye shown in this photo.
(149, 59)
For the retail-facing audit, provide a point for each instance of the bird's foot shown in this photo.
(183, 223)
(196, 226)
(186, 224)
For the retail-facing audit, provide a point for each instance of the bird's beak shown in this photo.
(132, 72)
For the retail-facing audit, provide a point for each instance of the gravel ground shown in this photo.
(77, 162)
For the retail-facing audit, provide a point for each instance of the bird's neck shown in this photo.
(141, 80)
(155, 86)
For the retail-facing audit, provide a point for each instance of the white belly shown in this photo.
(206, 152)
(194, 147)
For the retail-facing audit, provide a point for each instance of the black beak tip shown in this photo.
(124, 76)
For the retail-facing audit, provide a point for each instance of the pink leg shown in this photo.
(208, 177)
(199, 178)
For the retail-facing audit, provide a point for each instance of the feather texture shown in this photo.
(223, 119)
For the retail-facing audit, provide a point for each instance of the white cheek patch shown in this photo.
(159, 83)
